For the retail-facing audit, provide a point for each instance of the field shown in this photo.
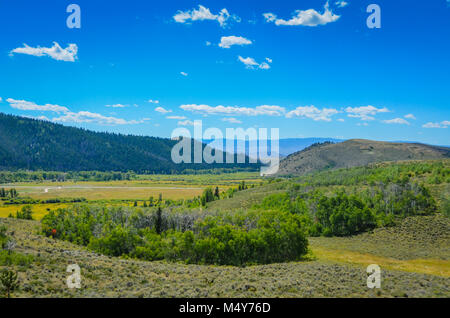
(329, 272)
(125, 192)
(413, 253)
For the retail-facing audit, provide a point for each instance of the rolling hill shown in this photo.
(354, 153)
(41, 145)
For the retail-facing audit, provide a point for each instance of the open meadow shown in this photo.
(235, 235)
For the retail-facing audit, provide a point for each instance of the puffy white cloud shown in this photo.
(69, 116)
(162, 110)
(203, 13)
(250, 62)
(153, 101)
(341, 4)
(232, 120)
(313, 112)
(410, 116)
(268, 110)
(227, 41)
(308, 17)
(365, 112)
(1, 99)
(25, 105)
(68, 54)
(184, 73)
(443, 124)
(399, 121)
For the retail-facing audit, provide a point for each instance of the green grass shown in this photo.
(333, 272)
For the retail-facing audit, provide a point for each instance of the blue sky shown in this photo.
(148, 67)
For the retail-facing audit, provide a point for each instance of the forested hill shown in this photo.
(355, 153)
(40, 145)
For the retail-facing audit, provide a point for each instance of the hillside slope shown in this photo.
(354, 153)
(104, 276)
(40, 145)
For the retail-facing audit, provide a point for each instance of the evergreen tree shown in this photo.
(9, 281)
(158, 223)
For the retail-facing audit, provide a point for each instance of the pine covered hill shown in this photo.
(40, 145)
(355, 153)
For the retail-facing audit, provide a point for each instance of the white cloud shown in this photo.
(162, 110)
(399, 121)
(25, 105)
(207, 43)
(264, 66)
(313, 112)
(203, 13)
(227, 41)
(184, 73)
(410, 116)
(68, 54)
(341, 4)
(341, 120)
(89, 117)
(250, 62)
(117, 106)
(1, 99)
(308, 17)
(69, 116)
(362, 124)
(365, 112)
(153, 101)
(235, 110)
(232, 120)
(176, 117)
(443, 124)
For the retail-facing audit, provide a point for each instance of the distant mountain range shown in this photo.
(356, 152)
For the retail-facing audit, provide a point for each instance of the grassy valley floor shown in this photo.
(414, 258)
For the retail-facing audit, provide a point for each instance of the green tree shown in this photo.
(9, 281)
(217, 193)
(26, 213)
(158, 222)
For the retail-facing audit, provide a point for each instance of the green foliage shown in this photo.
(234, 239)
(446, 207)
(8, 194)
(433, 172)
(26, 213)
(3, 236)
(9, 258)
(207, 196)
(339, 213)
(9, 282)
